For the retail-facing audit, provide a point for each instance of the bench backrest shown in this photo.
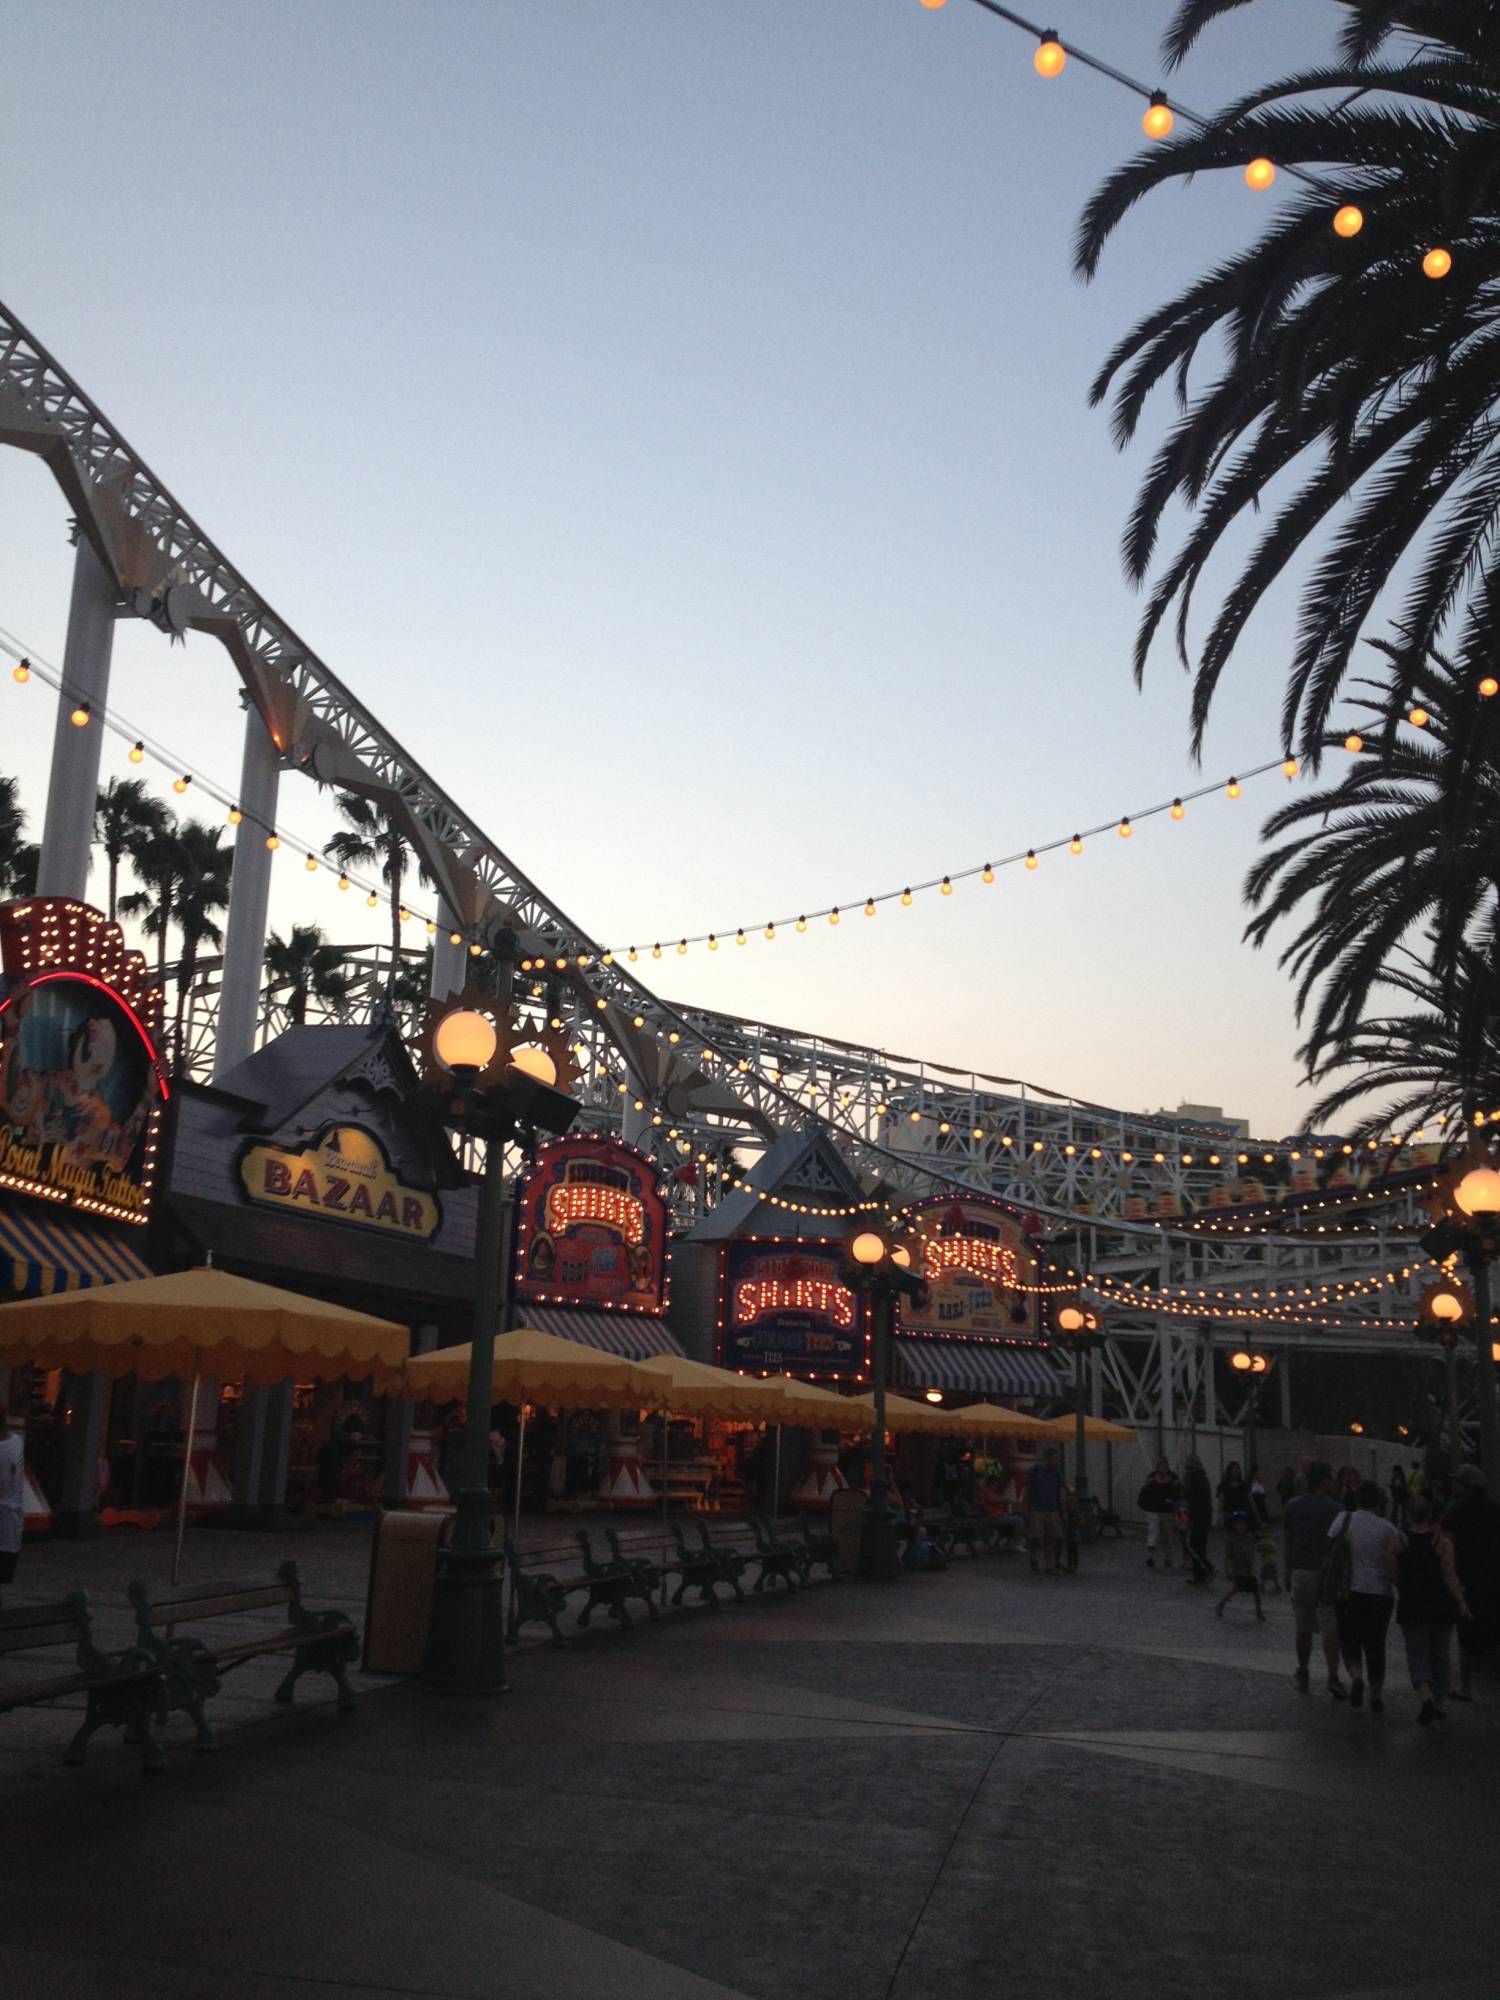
(31, 1625)
(194, 1601)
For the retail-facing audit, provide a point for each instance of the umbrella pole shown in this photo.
(515, 1526)
(665, 1527)
(187, 1473)
(776, 1479)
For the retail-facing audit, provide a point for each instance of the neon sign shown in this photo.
(591, 1228)
(757, 1298)
(994, 1262)
(578, 1200)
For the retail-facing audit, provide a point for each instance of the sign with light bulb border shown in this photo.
(980, 1270)
(592, 1228)
(82, 1082)
(784, 1308)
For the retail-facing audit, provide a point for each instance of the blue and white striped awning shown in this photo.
(974, 1367)
(636, 1336)
(44, 1254)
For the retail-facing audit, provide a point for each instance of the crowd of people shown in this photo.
(1353, 1558)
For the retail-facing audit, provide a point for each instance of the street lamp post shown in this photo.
(489, 1089)
(880, 1269)
(1256, 1367)
(1079, 1328)
(1441, 1311)
(1470, 1227)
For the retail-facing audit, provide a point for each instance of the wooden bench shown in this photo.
(192, 1669)
(124, 1690)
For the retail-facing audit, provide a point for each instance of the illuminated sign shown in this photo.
(783, 1307)
(981, 1273)
(81, 1080)
(591, 1228)
(344, 1177)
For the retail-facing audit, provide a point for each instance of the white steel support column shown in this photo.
(635, 1126)
(68, 832)
(1284, 1370)
(450, 962)
(249, 898)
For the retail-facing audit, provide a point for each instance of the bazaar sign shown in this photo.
(344, 1176)
(783, 1306)
(82, 1083)
(591, 1228)
(981, 1272)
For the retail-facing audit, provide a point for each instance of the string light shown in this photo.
(234, 816)
(1418, 718)
(1259, 174)
(1437, 263)
(20, 673)
(1349, 220)
(1179, 810)
(180, 784)
(1158, 120)
(136, 752)
(1354, 743)
(273, 842)
(1126, 829)
(80, 716)
(1232, 789)
(1489, 687)
(311, 864)
(1051, 58)
(986, 873)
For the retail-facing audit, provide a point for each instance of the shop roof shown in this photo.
(802, 1167)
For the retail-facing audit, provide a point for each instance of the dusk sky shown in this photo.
(670, 416)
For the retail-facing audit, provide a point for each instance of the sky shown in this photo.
(670, 417)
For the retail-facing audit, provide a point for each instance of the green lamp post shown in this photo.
(880, 1270)
(1469, 1226)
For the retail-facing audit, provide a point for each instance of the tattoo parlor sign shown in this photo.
(344, 1177)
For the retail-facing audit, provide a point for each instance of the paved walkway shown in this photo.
(975, 1783)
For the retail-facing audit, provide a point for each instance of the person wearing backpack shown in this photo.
(1370, 1542)
(1431, 1601)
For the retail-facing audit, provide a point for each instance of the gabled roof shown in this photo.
(801, 1167)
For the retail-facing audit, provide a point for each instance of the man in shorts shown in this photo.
(1306, 1523)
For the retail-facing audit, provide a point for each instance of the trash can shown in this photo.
(846, 1520)
(403, 1573)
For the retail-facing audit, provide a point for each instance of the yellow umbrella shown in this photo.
(532, 1367)
(819, 1409)
(195, 1323)
(1097, 1430)
(201, 1322)
(994, 1420)
(693, 1389)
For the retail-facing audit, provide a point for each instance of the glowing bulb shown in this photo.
(916, 1118)
(1437, 263)
(739, 937)
(633, 954)
(932, 6)
(311, 865)
(1349, 221)
(344, 884)
(833, 915)
(1418, 718)
(607, 958)
(934, 1395)
(713, 942)
(947, 886)
(1157, 122)
(656, 951)
(1289, 767)
(1354, 743)
(1075, 845)
(1232, 789)
(454, 937)
(371, 900)
(1445, 1306)
(532, 1061)
(465, 1040)
(1259, 174)
(234, 815)
(474, 949)
(869, 906)
(1051, 57)
(1489, 686)
(1031, 857)
(802, 923)
(80, 716)
(682, 948)
(20, 673)
(906, 899)
(867, 1247)
(136, 753)
(1126, 829)
(770, 933)
(273, 842)
(1179, 810)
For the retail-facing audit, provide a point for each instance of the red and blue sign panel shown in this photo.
(784, 1308)
(591, 1228)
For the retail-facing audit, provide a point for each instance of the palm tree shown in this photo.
(156, 860)
(1402, 854)
(1339, 374)
(186, 874)
(369, 839)
(18, 856)
(307, 967)
(125, 814)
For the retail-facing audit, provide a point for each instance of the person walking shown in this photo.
(1198, 1495)
(1308, 1518)
(1159, 1500)
(1240, 1566)
(1430, 1600)
(1365, 1615)
(1044, 1504)
(1473, 1524)
(1399, 1500)
(1234, 1494)
(12, 1496)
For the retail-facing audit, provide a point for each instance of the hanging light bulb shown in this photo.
(474, 949)
(739, 936)
(1489, 687)
(1259, 174)
(1126, 829)
(234, 816)
(371, 900)
(273, 841)
(311, 864)
(1354, 743)
(607, 958)
(947, 887)
(1349, 220)
(431, 926)
(1031, 857)
(802, 923)
(1232, 789)
(682, 948)
(80, 716)
(833, 915)
(1418, 718)
(344, 884)
(869, 906)
(1051, 57)
(454, 937)
(633, 954)
(656, 951)
(906, 899)
(1437, 263)
(181, 784)
(136, 753)
(1075, 845)
(770, 933)
(20, 673)
(713, 942)
(986, 874)
(1288, 767)
(1179, 810)
(1157, 122)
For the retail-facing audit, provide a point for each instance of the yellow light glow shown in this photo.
(1031, 857)
(934, 1395)
(1289, 767)
(1241, 1361)
(802, 923)
(234, 815)
(465, 1040)
(833, 916)
(906, 899)
(80, 716)
(932, 6)
(1232, 789)
(273, 841)
(1354, 743)
(986, 874)
(534, 1061)
(1349, 220)
(311, 865)
(1051, 58)
(869, 906)
(902, 1256)
(656, 951)
(474, 949)
(181, 784)
(1069, 1319)
(1259, 174)
(682, 949)
(1446, 1306)
(1418, 718)
(1437, 263)
(770, 933)
(454, 937)
(136, 753)
(867, 1247)
(20, 673)
(1126, 829)
(1478, 1193)
(1179, 810)
(1158, 121)
(1489, 686)
(1075, 845)
(947, 887)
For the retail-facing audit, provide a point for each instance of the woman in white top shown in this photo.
(12, 1496)
(1365, 1614)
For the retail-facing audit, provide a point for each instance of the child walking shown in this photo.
(1240, 1556)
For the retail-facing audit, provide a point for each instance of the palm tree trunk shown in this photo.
(395, 879)
(114, 881)
(297, 1006)
(186, 966)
